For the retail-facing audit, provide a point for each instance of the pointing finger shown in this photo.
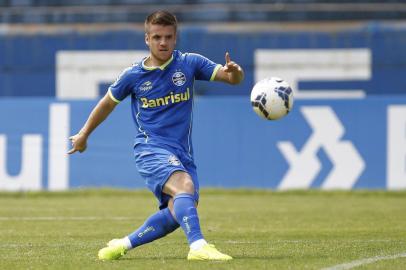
(73, 150)
(228, 60)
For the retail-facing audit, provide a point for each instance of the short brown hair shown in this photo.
(161, 17)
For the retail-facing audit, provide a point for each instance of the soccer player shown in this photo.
(161, 90)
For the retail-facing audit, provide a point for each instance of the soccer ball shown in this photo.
(272, 98)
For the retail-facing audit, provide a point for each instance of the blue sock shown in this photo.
(186, 214)
(156, 226)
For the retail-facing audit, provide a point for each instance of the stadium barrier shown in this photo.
(327, 144)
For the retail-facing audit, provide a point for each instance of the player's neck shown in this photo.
(152, 61)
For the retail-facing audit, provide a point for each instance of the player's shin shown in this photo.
(186, 214)
(156, 226)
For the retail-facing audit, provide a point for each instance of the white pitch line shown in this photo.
(62, 218)
(309, 241)
(356, 263)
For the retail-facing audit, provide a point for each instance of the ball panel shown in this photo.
(259, 104)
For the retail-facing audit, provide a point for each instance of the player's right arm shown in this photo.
(100, 112)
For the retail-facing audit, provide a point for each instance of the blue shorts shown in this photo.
(156, 164)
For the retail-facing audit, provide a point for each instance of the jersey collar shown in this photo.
(162, 67)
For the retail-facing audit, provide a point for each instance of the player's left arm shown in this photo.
(231, 72)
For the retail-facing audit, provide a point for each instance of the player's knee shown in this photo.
(185, 184)
(179, 182)
(188, 186)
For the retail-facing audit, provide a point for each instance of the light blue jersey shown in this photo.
(162, 98)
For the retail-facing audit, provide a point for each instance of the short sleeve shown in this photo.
(120, 89)
(205, 69)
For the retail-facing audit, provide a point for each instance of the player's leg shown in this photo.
(153, 166)
(156, 226)
(181, 188)
(185, 196)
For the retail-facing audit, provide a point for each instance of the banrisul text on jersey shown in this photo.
(167, 100)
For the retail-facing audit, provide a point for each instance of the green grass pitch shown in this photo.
(260, 229)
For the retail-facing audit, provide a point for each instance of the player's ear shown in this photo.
(147, 39)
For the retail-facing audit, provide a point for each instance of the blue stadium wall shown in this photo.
(28, 62)
(343, 143)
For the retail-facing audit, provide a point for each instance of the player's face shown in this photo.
(161, 40)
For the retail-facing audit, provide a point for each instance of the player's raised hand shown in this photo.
(79, 143)
(230, 66)
(231, 73)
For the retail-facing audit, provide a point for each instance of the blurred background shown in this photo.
(345, 60)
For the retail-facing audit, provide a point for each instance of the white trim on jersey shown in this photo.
(191, 118)
(139, 125)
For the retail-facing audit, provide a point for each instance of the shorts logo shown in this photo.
(173, 160)
(178, 78)
(146, 86)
